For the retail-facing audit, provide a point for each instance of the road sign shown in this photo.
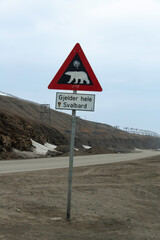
(72, 101)
(76, 73)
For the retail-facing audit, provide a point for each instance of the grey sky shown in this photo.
(121, 40)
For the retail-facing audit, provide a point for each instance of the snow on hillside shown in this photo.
(42, 149)
(3, 94)
(86, 147)
(12, 96)
(6, 94)
(38, 150)
(50, 147)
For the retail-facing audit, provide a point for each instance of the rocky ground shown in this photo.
(117, 201)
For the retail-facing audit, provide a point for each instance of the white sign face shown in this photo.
(74, 101)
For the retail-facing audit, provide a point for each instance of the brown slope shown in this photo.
(17, 132)
(31, 110)
(100, 136)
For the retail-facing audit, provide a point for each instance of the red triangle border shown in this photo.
(96, 85)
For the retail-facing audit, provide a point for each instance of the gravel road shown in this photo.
(12, 166)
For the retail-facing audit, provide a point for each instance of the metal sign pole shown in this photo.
(71, 163)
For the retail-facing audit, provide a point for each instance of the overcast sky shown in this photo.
(120, 38)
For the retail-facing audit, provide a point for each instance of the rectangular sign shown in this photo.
(74, 101)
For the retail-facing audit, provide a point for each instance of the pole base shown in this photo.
(68, 217)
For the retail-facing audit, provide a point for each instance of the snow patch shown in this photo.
(86, 147)
(137, 149)
(38, 150)
(43, 149)
(76, 149)
(3, 94)
(50, 147)
(6, 94)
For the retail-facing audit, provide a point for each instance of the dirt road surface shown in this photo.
(118, 201)
(62, 162)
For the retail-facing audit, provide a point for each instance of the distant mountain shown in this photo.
(101, 137)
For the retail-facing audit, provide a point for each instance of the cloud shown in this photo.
(126, 10)
(117, 29)
(119, 37)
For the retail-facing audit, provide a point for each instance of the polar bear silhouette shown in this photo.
(82, 76)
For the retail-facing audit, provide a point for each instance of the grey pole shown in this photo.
(71, 163)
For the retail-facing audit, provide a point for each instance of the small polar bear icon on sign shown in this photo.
(75, 75)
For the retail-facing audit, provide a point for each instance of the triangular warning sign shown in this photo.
(76, 73)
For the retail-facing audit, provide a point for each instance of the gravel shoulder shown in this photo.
(110, 201)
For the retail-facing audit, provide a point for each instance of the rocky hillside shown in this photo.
(16, 133)
(22, 120)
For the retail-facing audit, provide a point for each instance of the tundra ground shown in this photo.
(117, 201)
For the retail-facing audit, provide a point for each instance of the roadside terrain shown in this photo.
(118, 201)
(22, 121)
(16, 133)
